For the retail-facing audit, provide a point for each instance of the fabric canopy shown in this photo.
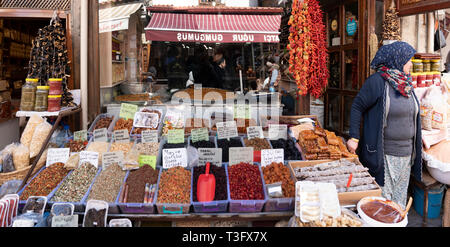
(213, 28)
(116, 18)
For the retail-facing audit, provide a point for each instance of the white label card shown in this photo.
(112, 158)
(150, 136)
(57, 155)
(121, 136)
(65, 221)
(101, 135)
(227, 130)
(255, 132)
(173, 157)
(268, 156)
(240, 155)
(212, 155)
(89, 157)
(277, 131)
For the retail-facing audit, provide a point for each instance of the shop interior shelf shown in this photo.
(44, 113)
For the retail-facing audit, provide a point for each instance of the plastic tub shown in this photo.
(120, 223)
(110, 127)
(98, 205)
(280, 204)
(373, 223)
(209, 207)
(257, 154)
(435, 197)
(171, 208)
(162, 110)
(137, 208)
(159, 156)
(247, 206)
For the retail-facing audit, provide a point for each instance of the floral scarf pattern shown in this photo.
(400, 81)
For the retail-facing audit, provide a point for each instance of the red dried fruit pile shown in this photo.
(245, 182)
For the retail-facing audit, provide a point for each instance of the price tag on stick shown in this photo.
(255, 132)
(121, 136)
(89, 157)
(127, 111)
(227, 130)
(212, 155)
(173, 157)
(101, 135)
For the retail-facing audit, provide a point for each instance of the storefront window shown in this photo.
(335, 70)
(333, 28)
(351, 70)
(334, 111)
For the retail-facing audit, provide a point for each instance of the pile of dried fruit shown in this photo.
(277, 172)
(245, 182)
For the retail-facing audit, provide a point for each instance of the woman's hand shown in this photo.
(352, 145)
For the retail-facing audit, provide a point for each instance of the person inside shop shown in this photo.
(391, 142)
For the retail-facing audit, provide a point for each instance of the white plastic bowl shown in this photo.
(374, 223)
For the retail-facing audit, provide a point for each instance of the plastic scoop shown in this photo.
(206, 186)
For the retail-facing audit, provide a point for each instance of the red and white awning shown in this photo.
(214, 28)
(116, 18)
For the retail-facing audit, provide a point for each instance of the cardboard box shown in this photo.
(345, 198)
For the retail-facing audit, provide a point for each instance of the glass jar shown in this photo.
(41, 98)
(54, 103)
(414, 79)
(28, 95)
(436, 78)
(417, 65)
(436, 65)
(429, 79)
(421, 79)
(55, 86)
(426, 65)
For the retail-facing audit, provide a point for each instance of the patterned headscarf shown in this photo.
(389, 61)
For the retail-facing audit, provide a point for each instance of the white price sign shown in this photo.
(173, 157)
(57, 155)
(240, 155)
(212, 155)
(89, 157)
(277, 131)
(121, 136)
(255, 132)
(65, 221)
(149, 136)
(101, 135)
(226, 130)
(268, 156)
(112, 158)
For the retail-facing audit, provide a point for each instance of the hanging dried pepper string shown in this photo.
(307, 48)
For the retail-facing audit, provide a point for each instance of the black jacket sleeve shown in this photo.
(370, 92)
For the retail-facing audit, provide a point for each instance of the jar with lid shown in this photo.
(55, 86)
(54, 103)
(421, 79)
(41, 98)
(417, 65)
(436, 65)
(414, 79)
(429, 79)
(28, 95)
(436, 78)
(426, 65)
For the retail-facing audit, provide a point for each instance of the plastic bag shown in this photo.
(193, 157)
(72, 162)
(438, 100)
(28, 132)
(21, 157)
(43, 160)
(7, 158)
(426, 114)
(10, 187)
(39, 137)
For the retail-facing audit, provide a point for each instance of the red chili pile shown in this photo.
(45, 182)
(245, 182)
(175, 186)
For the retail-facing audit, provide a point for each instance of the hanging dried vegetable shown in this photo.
(307, 48)
(49, 57)
(391, 24)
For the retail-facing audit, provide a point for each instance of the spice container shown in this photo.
(225, 145)
(274, 173)
(417, 65)
(421, 79)
(35, 204)
(55, 86)
(220, 202)
(426, 65)
(246, 187)
(132, 198)
(41, 102)
(76, 186)
(102, 121)
(54, 103)
(435, 65)
(414, 79)
(429, 79)
(28, 97)
(107, 186)
(174, 191)
(96, 214)
(436, 78)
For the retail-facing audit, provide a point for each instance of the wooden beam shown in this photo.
(30, 13)
(414, 7)
(93, 62)
(75, 23)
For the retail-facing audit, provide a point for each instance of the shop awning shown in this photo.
(116, 18)
(214, 28)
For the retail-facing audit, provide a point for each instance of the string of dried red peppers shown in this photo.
(307, 48)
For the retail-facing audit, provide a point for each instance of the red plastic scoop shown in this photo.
(206, 186)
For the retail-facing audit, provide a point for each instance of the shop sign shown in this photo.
(277, 131)
(150, 136)
(80, 135)
(65, 221)
(175, 136)
(101, 135)
(352, 26)
(255, 132)
(268, 156)
(226, 130)
(112, 158)
(114, 25)
(240, 155)
(212, 155)
(57, 155)
(173, 157)
(127, 111)
(200, 134)
(147, 160)
(121, 135)
(89, 157)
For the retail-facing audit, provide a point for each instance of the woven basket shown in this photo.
(18, 174)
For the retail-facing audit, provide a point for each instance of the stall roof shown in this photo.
(213, 28)
(36, 4)
(215, 9)
(116, 18)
